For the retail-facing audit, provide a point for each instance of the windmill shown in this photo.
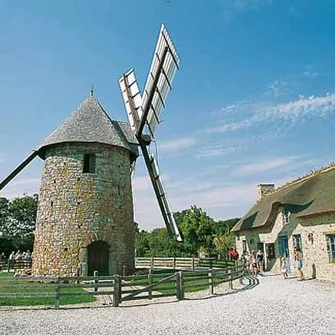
(85, 206)
(144, 113)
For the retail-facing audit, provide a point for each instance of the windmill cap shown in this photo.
(90, 123)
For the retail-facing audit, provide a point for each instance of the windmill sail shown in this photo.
(145, 111)
(163, 68)
(132, 98)
(161, 194)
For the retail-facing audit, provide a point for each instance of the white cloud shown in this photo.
(226, 110)
(176, 145)
(298, 109)
(229, 127)
(277, 88)
(216, 150)
(310, 74)
(292, 111)
(264, 164)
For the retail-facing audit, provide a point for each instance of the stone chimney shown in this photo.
(265, 189)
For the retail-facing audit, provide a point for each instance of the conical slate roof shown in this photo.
(90, 123)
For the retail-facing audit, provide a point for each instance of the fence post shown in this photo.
(96, 281)
(117, 291)
(193, 264)
(174, 262)
(241, 273)
(230, 276)
(210, 282)
(180, 294)
(8, 265)
(152, 263)
(57, 299)
(149, 283)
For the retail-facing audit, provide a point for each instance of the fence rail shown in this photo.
(181, 262)
(14, 264)
(119, 288)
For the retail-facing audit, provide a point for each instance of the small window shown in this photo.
(89, 163)
(287, 218)
(330, 239)
(244, 245)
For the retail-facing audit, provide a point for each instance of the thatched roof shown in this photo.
(312, 195)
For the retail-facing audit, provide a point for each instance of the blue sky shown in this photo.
(253, 102)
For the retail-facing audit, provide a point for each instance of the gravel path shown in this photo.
(274, 306)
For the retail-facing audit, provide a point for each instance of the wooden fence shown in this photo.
(181, 263)
(142, 262)
(166, 262)
(6, 264)
(119, 288)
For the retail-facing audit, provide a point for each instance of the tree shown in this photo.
(200, 232)
(23, 215)
(223, 227)
(197, 229)
(4, 216)
(141, 243)
(224, 239)
(162, 244)
(223, 244)
(17, 222)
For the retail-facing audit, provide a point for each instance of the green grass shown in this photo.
(38, 287)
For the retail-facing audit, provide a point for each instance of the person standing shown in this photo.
(283, 268)
(233, 254)
(260, 261)
(298, 262)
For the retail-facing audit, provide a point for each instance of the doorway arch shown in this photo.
(98, 258)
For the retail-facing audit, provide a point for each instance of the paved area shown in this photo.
(271, 306)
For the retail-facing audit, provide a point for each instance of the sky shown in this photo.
(253, 101)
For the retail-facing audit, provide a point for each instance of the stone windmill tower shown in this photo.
(85, 210)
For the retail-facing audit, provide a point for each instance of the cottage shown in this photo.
(299, 214)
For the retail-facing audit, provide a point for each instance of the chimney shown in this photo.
(265, 189)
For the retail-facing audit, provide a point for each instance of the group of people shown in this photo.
(298, 263)
(26, 255)
(254, 261)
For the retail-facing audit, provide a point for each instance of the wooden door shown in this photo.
(98, 258)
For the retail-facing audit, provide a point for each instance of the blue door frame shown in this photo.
(285, 252)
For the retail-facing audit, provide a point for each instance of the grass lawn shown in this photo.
(35, 287)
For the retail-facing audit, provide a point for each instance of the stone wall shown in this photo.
(76, 209)
(315, 257)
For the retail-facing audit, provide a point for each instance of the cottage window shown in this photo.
(331, 247)
(89, 163)
(244, 245)
(287, 218)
